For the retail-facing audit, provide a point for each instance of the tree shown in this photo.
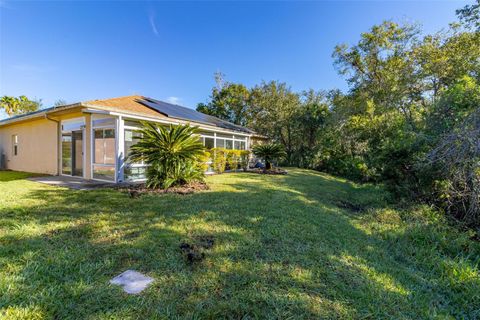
(229, 101)
(173, 154)
(470, 15)
(273, 110)
(18, 105)
(381, 71)
(457, 158)
(310, 122)
(269, 152)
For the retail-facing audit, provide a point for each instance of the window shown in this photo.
(133, 171)
(220, 143)
(15, 144)
(104, 146)
(104, 122)
(209, 143)
(239, 145)
(131, 138)
(221, 135)
(228, 144)
(131, 123)
(104, 154)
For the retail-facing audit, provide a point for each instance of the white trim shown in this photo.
(120, 145)
(84, 151)
(174, 122)
(95, 111)
(91, 147)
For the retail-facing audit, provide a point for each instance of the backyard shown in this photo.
(303, 245)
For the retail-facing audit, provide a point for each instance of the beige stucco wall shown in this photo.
(37, 146)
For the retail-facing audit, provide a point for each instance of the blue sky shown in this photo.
(78, 51)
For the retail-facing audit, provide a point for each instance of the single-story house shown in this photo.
(92, 139)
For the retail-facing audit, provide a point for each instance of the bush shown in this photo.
(269, 152)
(219, 159)
(224, 159)
(173, 154)
(244, 157)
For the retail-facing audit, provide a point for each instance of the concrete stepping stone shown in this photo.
(133, 282)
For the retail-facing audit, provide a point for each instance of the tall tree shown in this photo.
(274, 107)
(229, 101)
(18, 105)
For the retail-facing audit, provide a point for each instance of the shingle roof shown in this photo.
(129, 104)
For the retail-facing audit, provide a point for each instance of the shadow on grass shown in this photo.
(283, 248)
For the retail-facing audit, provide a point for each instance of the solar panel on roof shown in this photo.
(183, 113)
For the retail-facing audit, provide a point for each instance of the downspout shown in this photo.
(58, 141)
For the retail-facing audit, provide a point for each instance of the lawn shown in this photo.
(305, 245)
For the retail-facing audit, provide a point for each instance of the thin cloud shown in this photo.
(151, 18)
(174, 100)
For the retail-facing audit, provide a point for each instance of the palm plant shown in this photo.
(173, 154)
(269, 152)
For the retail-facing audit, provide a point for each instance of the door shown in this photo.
(72, 153)
(67, 153)
(77, 153)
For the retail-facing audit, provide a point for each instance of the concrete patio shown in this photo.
(72, 182)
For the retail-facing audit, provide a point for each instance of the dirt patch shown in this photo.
(135, 191)
(270, 171)
(194, 251)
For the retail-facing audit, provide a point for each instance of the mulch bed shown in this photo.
(137, 190)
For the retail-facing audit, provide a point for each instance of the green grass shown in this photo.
(294, 246)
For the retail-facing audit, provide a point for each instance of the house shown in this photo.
(91, 139)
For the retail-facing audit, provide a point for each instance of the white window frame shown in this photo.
(131, 165)
(113, 126)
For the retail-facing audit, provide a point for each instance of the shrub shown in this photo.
(244, 157)
(219, 159)
(173, 154)
(204, 159)
(269, 152)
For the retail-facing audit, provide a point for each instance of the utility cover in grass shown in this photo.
(133, 282)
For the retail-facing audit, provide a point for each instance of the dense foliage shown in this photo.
(174, 154)
(224, 159)
(409, 118)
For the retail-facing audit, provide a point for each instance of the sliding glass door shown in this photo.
(72, 153)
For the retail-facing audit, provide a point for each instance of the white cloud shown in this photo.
(174, 100)
(151, 18)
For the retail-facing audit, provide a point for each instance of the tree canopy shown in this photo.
(18, 105)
